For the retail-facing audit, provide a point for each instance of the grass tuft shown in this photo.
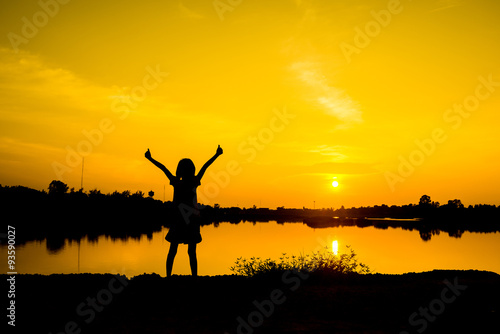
(323, 261)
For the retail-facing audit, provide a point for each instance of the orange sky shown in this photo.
(395, 99)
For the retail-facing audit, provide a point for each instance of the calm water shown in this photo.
(384, 251)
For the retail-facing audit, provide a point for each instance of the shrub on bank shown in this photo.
(323, 261)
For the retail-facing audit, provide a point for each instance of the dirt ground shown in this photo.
(431, 302)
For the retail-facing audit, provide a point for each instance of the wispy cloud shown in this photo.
(446, 4)
(16, 147)
(25, 76)
(186, 12)
(326, 169)
(331, 151)
(333, 100)
(298, 2)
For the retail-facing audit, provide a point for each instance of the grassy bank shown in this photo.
(455, 301)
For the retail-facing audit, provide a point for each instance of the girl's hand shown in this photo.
(148, 154)
(219, 150)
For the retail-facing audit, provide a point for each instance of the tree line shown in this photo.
(59, 213)
(60, 199)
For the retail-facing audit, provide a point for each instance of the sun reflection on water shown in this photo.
(335, 247)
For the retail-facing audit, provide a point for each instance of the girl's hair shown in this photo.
(185, 169)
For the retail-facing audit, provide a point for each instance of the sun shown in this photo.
(335, 183)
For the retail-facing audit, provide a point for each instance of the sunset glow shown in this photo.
(396, 98)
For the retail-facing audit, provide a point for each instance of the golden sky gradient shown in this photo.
(395, 99)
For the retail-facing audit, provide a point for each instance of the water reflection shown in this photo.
(383, 250)
(335, 247)
(425, 228)
(56, 236)
(56, 242)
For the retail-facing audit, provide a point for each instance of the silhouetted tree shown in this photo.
(425, 200)
(94, 193)
(455, 204)
(57, 188)
(137, 194)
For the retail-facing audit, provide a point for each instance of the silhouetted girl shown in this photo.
(185, 227)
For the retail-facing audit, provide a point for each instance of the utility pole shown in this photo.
(81, 182)
(79, 255)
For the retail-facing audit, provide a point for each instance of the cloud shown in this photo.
(15, 148)
(333, 152)
(334, 101)
(25, 78)
(46, 104)
(297, 2)
(446, 4)
(324, 169)
(339, 168)
(186, 12)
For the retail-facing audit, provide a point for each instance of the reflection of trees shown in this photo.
(59, 215)
(55, 244)
(455, 233)
(382, 226)
(426, 233)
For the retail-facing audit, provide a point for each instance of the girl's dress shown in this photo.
(185, 227)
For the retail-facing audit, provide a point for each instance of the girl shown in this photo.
(185, 227)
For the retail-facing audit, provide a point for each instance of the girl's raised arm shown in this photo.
(209, 162)
(159, 165)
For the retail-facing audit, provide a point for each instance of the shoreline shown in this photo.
(116, 215)
(455, 300)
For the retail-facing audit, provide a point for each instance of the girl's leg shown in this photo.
(170, 257)
(192, 259)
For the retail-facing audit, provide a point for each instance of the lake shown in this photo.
(391, 251)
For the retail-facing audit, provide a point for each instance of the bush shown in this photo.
(324, 261)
